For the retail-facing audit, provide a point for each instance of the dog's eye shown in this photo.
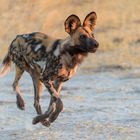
(83, 37)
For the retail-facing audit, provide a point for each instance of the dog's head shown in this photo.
(82, 35)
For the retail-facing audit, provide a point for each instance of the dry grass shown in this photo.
(118, 26)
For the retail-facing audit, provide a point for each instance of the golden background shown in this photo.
(117, 29)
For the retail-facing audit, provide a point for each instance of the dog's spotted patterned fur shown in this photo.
(50, 61)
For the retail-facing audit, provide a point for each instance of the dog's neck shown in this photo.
(68, 47)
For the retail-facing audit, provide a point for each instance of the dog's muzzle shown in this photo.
(92, 46)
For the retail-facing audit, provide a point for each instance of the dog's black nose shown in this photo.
(96, 44)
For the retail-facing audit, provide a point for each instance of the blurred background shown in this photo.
(103, 105)
(117, 29)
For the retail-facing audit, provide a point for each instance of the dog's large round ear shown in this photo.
(90, 20)
(71, 24)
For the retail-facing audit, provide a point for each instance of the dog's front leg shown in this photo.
(55, 107)
(50, 86)
(59, 105)
(58, 86)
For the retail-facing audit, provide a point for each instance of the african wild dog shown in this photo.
(50, 61)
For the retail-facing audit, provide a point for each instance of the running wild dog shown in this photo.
(50, 62)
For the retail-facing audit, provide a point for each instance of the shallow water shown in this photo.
(97, 106)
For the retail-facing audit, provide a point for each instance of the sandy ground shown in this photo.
(97, 106)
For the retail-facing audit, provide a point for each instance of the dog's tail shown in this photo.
(6, 66)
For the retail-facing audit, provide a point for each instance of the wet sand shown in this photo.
(97, 106)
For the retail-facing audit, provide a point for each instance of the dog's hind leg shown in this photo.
(16, 88)
(37, 91)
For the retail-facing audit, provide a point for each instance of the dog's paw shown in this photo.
(36, 120)
(51, 114)
(46, 122)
